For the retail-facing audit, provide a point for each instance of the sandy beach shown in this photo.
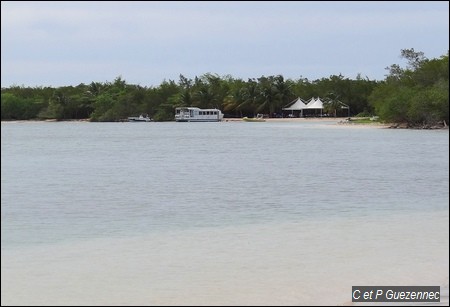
(296, 119)
(339, 121)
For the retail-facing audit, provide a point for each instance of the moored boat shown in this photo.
(258, 118)
(193, 114)
(140, 118)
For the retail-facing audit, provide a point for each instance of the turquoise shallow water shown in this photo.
(172, 213)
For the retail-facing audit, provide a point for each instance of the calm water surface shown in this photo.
(219, 213)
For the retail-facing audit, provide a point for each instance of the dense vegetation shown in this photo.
(416, 94)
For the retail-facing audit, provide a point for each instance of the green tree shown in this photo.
(417, 94)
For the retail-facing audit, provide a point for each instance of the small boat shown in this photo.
(258, 118)
(140, 118)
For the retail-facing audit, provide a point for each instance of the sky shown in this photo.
(145, 43)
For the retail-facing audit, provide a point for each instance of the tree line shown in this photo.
(415, 94)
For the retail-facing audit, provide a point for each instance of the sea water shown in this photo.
(229, 213)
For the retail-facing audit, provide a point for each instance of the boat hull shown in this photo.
(256, 120)
(139, 119)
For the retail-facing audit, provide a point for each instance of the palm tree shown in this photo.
(250, 94)
(268, 92)
(284, 90)
(332, 103)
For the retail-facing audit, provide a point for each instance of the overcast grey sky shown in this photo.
(68, 43)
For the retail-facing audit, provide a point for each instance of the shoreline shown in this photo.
(341, 121)
(296, 119)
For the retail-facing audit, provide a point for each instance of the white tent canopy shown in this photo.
(297, 105)
(315, 103)
(300, 105)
